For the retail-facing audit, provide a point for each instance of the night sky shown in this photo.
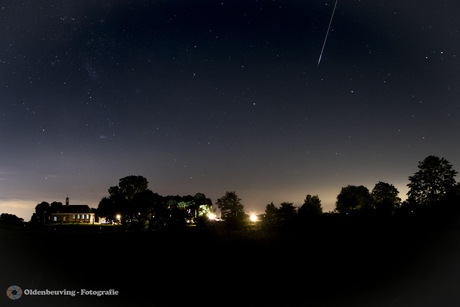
(215, 96)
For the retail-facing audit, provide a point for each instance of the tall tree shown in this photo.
(202, 207)
(287, 214)
(311, 207)
(385, 197)
(271, 217)
(42, 213)
(108, 208)
(354, 199)
(131, 185)
(123, 198)
(232, 209)
(430, 184)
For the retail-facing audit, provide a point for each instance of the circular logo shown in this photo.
(14, 292)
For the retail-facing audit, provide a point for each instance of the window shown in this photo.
(74, 216)
(55, 218)
(78, 216)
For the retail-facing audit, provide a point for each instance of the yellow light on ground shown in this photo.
(211, 216)
(253, 218)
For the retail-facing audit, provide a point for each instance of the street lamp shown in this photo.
(253, 218)
(211, 216)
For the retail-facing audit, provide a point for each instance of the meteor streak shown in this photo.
(327, 33)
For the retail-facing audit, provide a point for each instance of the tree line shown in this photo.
(132, 203)
(432, 190)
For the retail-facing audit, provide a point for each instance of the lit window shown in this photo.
(55, 218)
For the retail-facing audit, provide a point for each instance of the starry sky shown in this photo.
(214, 96)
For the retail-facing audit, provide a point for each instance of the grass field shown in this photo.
(346, 265)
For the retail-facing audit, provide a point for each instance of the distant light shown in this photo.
(253, 218)
(211, 216)
(118, 217)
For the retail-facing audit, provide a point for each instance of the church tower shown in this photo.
(67, 201)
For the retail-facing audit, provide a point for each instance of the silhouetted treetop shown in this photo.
(385, 197)
(287, 214)
(431, 183)
(129, 186)
(41, 214)
(311, 207)
(271, 217)
(232, 210)
(354, 199)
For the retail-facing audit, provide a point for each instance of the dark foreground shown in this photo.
(348, 264)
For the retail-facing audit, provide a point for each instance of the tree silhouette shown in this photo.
(232, 210)
(311, 207)
(10, 221)
(354, 199)
(271, 217)
(430, 184)
(385, 197)
(287, 214)
(42, 213)
(141, 209)
(201, 209)
(131, 185)
(122, 199)
(108, 208)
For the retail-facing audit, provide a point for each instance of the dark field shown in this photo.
(331, 264)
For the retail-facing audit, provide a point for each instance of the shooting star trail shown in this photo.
(327, 33)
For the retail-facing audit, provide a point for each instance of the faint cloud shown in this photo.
(23, 208)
